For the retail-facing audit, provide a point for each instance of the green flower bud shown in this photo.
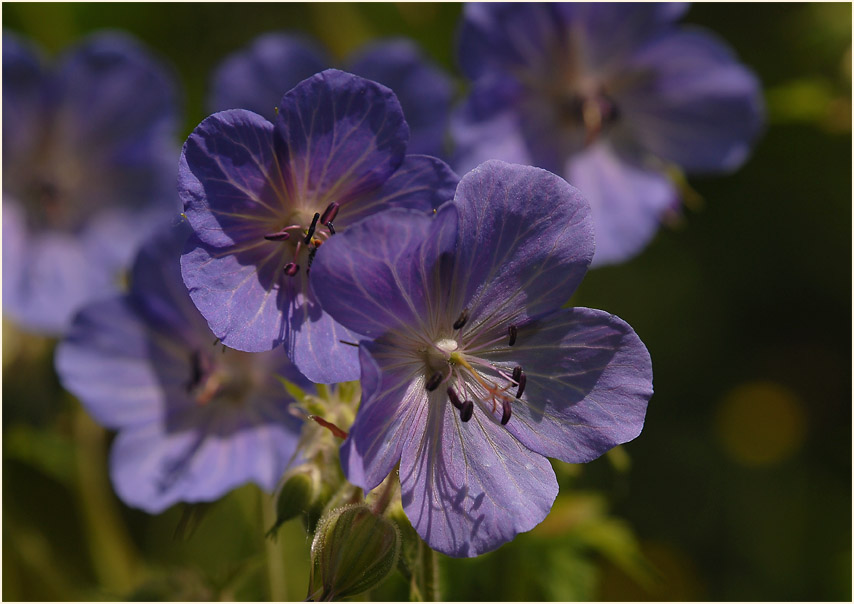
(353, 551)
(296, 496)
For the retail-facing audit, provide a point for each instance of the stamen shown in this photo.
(522, 380)
(512, 333)
(466, 411)
(433, 382)
(506, 411)
(330, 227)
(311, 228)
(291, 269)
(280, 236)
(517, 373)
(464, 316)
(455, 400)
(330, 213)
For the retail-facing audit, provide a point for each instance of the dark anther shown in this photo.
(280, 236)
(506, 411)
(330, 213)
(523, 379)
(512, 332)
(467, 411)
(433, 382)
(464, 316)
(311, 228)
(330, 227)
(291, 269)
(517, 372)
(455, 400)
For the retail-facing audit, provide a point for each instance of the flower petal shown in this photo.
(345, 135)
(379, 274)
(315, 341)
(469, 487)
(421, 183)
(589, 379)
(24, 100)
(697, 106)
(256, 77)
(424, 91)
(505, 37)
(627, 201)
(391, 412)
(524, 242)
(124, 371)
(119, 103)
(199, 455)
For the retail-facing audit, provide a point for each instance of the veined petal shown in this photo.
(241, 295)
(697, 105)
(589, 379)
(469, 487)
(421, 183)
(508, 37)
(231, 181)
(256, 77)
(199, 455)
(611, 31)
(393, 410)
(315, 341)
(345, 135)
(627, 201)
(380, 274)
(524, 242)
(424, 91)
(124, 370)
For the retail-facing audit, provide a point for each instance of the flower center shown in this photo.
(228, 377)
(306, 237)
(467, 377)
(596, 112)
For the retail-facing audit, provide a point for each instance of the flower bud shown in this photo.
(296, 497)
(353, 551)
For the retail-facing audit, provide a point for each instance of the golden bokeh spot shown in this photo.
(760, 423)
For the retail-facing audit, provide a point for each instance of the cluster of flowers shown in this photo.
(314, 250)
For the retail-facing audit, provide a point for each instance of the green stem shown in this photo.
(113, 554)
(273, 550)
(427, 573)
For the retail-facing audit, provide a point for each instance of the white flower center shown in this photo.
(447, 344)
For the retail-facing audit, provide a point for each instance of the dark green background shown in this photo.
(744, 304)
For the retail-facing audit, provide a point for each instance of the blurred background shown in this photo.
(739, 487)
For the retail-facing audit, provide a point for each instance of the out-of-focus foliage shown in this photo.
(739, 488)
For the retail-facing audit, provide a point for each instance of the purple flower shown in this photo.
(606, 95)
(195, 419)
(264, 199)
(475, 374)
(89, 166)
(256, 77)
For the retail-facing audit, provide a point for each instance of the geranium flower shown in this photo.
(607, 95)
(255, 78)
(194, 419)
(474, 374)
(89, 167)
(263, 199)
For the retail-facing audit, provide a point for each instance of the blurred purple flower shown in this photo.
(89, 168)
(262, 199)
(195, 420)
(606, 95)
(256, 77)
(475, 374)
